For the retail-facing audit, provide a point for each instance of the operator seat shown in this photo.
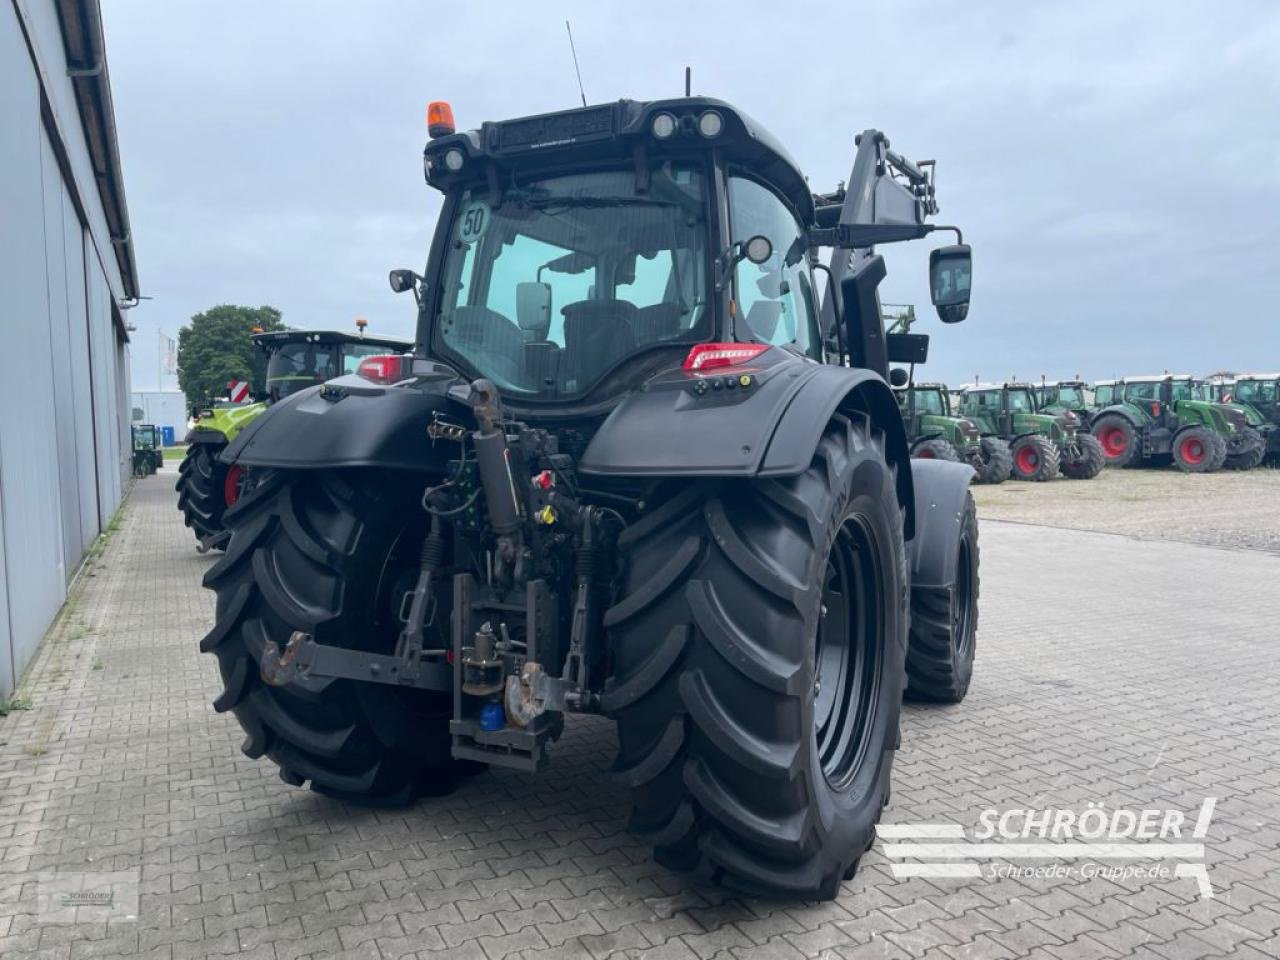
(492, 343)
(597, 334)
(658, 322)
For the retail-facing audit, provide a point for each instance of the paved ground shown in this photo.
(1229, 508)
(1119, 672)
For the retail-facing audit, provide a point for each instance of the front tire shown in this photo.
(1198, 450)
(995, 461)
(201, 490)
(1089, 462)
(1035, 458)
(1118, 439)
(944, 624)
(329, 554)
(1249, 451)
(758, 650)
(936, 448)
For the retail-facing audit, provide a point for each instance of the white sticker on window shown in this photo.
(473, 222)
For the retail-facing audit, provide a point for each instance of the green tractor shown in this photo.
(148, 449)
(935, 433)
(296, 359)
(1042, 444)
(1066, 396)
(1259, 394)
(644, 464)
(1150, 418)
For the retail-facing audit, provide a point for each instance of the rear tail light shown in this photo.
(386, 368)
(709, 356)
(1155, 408)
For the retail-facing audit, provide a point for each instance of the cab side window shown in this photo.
(774, 298)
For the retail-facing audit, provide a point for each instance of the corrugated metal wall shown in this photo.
(64, 414)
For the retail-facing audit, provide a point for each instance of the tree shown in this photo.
(216, 348)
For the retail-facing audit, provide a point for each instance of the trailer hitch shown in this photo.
(303, 659)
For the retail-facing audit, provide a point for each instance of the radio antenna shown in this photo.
(688, 81)
(578, 72)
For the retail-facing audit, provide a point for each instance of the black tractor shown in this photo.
(641, 463)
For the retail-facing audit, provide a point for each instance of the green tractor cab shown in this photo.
(644, 463)
(934, 432)
(1066, 396)
(1259, 395)
(1042, 444)
(1150, 418)
(296, 360)
(148, 449)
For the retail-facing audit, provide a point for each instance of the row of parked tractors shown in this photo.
(1031, 431)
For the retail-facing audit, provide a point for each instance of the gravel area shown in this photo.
(1238, 510)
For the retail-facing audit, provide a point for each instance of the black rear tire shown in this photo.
(329, 554)
(1089, 462)
(1198, 450)
(936, 448)
(743, 767)
(944, 625)
(1248, 451)
(995, 461)
(1035, 458)
(202, 494)
(1118, 439)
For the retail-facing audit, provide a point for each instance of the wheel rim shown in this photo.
(963, 603)
(1114, 441)
(1192, 450)
(233, 485)
(1028, 460)
(847, 652)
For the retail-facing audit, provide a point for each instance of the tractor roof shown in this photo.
(980, 387)
(1256, 376)
(277, 337)
(1155, 378)
(929, 385)
(612, 133)
(1064, 383)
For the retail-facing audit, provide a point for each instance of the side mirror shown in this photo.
(950, 276)
(899, 377)
(402, 280)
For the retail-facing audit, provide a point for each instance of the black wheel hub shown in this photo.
(847, 652)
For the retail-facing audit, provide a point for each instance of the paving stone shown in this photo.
(1104, 690)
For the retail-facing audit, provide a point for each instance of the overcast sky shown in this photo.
(1116, 166)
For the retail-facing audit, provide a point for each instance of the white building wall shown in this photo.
(64, 409)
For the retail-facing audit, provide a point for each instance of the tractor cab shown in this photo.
(1009, 409)
(148, 449)
(297, 359)
(1259, 395)
(579, 253)
(1065, 396)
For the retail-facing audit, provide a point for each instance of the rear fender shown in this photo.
(769, 429)
(940, 489)
(360, 425)
(1122, 410)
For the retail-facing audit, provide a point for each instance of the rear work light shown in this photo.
(709, 356)
(386, 368)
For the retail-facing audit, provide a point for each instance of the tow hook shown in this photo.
(279, 668)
